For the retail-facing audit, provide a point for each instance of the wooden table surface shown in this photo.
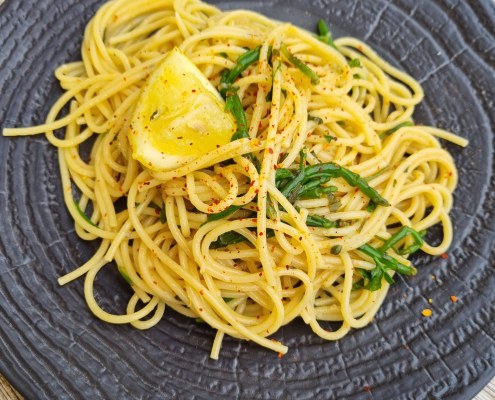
(7, 392)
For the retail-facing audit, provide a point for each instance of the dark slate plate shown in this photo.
(52, 347)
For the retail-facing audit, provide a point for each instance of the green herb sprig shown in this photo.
(304, 180)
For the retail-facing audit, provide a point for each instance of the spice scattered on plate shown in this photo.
(426, 312)
(453, 299)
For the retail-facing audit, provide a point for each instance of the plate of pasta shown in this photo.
(238, 199)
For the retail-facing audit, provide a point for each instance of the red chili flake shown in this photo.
(194, 90)
(254, 220)
(261, 273)
(200, 310)
(367, 389)
(252, 183)
(261, 233)
(280, 355)
(270, 150)
(275, 166)
(444, 256)
(453, 299)
(201, 292)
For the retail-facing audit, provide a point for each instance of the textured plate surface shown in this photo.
(52, 347)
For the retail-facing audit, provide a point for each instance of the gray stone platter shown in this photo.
(51, 347)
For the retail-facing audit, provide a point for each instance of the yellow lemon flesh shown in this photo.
(179, 116)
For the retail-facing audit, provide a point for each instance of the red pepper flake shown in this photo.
(453, 299)
(367, 389)
(444, 256)
(261, 273)
(275, 166)
(260, 234)
(280, 355)
(270, 150)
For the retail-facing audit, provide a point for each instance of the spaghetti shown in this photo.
(310, 210)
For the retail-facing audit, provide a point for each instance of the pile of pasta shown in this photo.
(309, 214)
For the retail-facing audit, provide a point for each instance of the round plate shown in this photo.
(51, 346)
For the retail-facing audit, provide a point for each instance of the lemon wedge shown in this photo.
(179, 116)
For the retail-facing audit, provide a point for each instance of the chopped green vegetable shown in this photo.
(154, 206)
(223, 214)
(82, 214)
(243, 62)
(315, 79)
(324, 34)
(397, 237)
(354, 63)
(234, 105)
(395, 128)
(232, 237)
(335, 250)
(371, 207)
(329, 138)
(319, 222)
(163, 216)
(306, 175)
(223, 54)
(383, 263)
